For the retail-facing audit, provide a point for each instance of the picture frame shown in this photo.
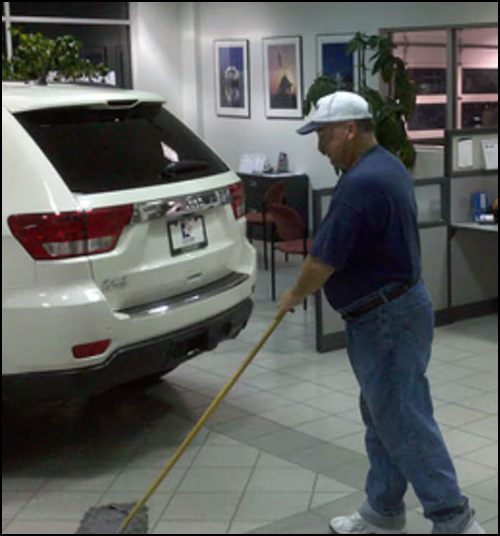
(232, 78)
(333, 60)
(283, 85)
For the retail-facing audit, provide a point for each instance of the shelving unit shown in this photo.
(472, 247)
(476, 227)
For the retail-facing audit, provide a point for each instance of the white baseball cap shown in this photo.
(337, 107)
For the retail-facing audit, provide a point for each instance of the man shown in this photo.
(366, 255)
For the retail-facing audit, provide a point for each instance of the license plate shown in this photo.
(187, 234)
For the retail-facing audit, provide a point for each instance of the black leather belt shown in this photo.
(386, 297)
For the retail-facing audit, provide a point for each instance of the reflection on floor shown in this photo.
(282, 455)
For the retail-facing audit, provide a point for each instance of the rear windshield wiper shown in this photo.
(185, 166)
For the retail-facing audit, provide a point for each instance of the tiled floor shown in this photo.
(282, 455)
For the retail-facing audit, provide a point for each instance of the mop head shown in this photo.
(109, 519)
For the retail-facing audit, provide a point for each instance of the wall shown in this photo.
(156, 50)
(166, 36)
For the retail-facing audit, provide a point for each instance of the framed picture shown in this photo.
(333, 60)
(232, 78)
(283, 77)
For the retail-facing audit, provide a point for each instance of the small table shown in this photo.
(478, 227)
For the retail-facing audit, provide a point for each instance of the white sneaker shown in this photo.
(474, 528)
(355, 524)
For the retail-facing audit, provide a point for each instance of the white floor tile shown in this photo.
(453, 392)
(42, 527)
(334, 403)
(487, 427)
(460, 443)
(217, 480)
(156, 505)
(217, 456)
(58, 505)
(487, 489)
(139, 480)
(172, 527)
(286, 480)
(294, 415)
(487, 456)
(244, 528)
(271, 506)
(470, 473)
(202, 507)
(331, 428)
(302, 391)
(456, 417)
(486, 403)
(14, 501)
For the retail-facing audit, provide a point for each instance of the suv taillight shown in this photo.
(70, 234)
(238, 194)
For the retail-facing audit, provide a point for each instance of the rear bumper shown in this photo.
(128, 364)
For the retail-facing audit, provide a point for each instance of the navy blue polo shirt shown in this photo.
(370, 233)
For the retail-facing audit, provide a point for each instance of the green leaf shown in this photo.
(374, 41)
(391, 132)
(387, 71)
(408, 154)
(322, 86)
(35, 55)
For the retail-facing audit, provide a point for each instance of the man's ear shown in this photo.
(352, 130)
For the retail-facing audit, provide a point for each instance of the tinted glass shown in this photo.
(86, 10)
(480, 115)
(109, 150)
(429, 81)
(480, 81)
(428, 117)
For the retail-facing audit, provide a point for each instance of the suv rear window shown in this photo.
(119, 146)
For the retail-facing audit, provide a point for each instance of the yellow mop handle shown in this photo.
(199, 425)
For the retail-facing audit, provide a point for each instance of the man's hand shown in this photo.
(313, 275)
(289, 301)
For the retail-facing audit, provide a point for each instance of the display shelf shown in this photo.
(471, 226)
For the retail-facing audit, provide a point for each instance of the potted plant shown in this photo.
(37, 57)
(391, 111)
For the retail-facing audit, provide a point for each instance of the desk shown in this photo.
(476, 227)
(473, 269)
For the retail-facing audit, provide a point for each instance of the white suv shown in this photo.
(123, 242)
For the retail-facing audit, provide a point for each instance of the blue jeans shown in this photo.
(390, 348)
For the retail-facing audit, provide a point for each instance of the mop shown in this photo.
(133, 519)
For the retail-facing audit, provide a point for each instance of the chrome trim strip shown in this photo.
(175, 302)
(176, 208)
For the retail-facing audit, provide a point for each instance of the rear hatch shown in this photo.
(155, 199)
